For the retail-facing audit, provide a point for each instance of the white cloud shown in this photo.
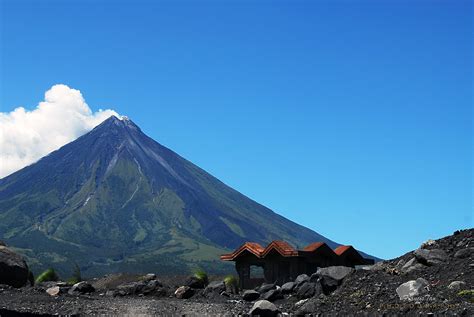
(26, 136)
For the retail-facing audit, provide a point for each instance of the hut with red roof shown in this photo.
(280, 262)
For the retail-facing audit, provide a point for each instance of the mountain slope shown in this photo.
(114, 199)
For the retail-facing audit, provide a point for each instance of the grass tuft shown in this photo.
(201, 275)
(231, 280)
(76, 275)
(48, 275)
(468, 294)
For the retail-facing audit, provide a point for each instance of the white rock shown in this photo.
(411, 289)
(457, 285)
(264, 308)
(53, 291)
(428, 243)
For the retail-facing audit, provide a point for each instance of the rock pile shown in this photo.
(437, 278)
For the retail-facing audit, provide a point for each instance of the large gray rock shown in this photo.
(308, 289)
(272, 295)
(412, 265)
(328, 284)
(412, 289)
(184, 292)
(195, 282)
(215, 287)
(264, 308)
(13, 268)
(265, 288)
(287, 288)
(81, 288)
(464, 253)
(307, 307)
(336, 272)
(303, 278)
(430, 257)
(250, 295)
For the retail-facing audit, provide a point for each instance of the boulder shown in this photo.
(287, 288)
(336, 272)
(265, 288)
(184, 292)
(250, 295)
(132, 288)
(215, 287)
(81, 288)
(464, 253)
(13, 268)
(272, 295)
(303, 278)
(457, 285)
(308, 289)
(411, 289)
(400, 264)
(430, 257)
(307, 307)
(412, 265)
(329, 284)
(264, 308)
(195, 282)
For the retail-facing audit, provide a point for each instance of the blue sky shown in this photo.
(353, 118)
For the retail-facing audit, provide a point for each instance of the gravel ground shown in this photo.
(38, 304)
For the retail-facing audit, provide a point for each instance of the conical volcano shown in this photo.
(116, 200)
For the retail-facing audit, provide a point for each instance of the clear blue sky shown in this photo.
(353, 118)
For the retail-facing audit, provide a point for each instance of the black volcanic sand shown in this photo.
(43, 304)
(365, 292)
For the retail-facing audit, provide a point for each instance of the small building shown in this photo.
(279, 262)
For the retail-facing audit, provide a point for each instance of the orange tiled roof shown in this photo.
(341, 249)
(251, 247)
(282, 247)
(313, 246)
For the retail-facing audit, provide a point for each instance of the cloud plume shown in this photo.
(26, 136)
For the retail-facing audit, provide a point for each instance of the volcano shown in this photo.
(116, 200)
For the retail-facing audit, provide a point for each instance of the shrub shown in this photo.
(48, 275)
(231, 281)
(201, 275)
